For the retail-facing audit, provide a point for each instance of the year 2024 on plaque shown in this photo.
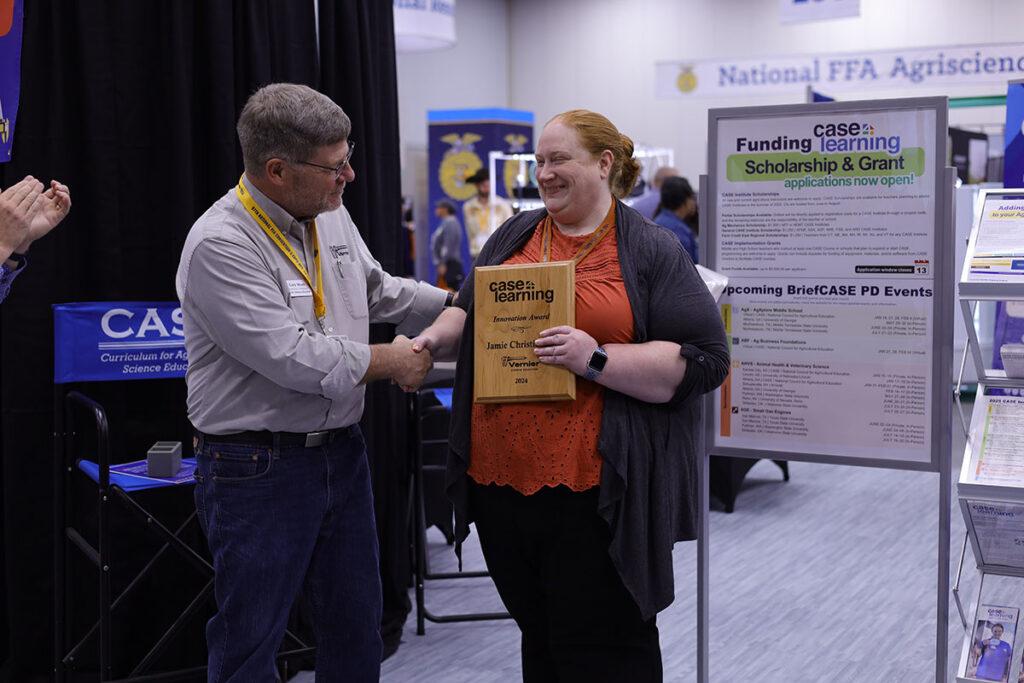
(512, 304)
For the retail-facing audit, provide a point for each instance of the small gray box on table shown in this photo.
(164, 459)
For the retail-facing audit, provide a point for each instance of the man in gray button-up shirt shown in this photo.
(275, 390)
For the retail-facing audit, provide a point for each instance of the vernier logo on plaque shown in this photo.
(512, 305)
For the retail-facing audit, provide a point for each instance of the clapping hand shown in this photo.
(27, 212)
(18, 208)
(52, 207)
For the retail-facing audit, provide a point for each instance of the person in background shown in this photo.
(476, 213)
(27, 213)
(278, 290)
(409, 223)
(446, 247)
(647, 203)
(578, 503)
(678, 205)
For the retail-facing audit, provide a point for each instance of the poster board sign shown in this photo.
(832, 222)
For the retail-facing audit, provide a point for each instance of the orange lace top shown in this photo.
(532, 445)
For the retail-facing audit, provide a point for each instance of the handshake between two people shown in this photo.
(416, 356)
(412, 363)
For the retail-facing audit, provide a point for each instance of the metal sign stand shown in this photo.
(941, 361)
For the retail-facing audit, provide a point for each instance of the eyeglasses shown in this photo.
(336, 170)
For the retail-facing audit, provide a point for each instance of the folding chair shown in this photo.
(433, 405)
(103, 342)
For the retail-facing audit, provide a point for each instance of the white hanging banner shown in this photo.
(422, 25)
(793, 11)
(893, 69)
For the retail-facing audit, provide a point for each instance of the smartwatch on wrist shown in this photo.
(595, 366)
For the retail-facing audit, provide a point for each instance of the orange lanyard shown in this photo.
(588, 246)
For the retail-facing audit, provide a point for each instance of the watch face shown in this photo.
(597, 360)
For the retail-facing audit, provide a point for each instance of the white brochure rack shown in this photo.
(991, 483)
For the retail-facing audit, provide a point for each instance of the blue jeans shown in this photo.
(280, 520)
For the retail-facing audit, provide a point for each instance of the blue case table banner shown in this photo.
(458, 142)
(11, 14)
(118, 340)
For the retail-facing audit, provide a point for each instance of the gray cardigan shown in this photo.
(648, 492)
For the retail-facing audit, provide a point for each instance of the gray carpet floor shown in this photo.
(828, 577)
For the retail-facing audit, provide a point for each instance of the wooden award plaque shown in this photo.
(511, 305)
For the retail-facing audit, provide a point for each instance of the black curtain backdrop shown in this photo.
(133, 104)
(357, 66)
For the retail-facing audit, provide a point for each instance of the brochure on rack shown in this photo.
(992, 648)
(999, 528)
(998, 456)
(999, 248)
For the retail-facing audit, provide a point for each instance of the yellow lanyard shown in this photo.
(278, 238)
(588, 246)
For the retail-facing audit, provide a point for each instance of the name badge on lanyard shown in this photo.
(298, 288)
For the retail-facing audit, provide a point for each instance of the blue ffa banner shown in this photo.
(459, 141)
(1009, 328)
(11, 13)
(1013, 161)
(118, 340)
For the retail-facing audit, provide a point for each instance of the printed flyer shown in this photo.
(825, 227)
(999, 528)
(996, 453)
(999, 247)
(992, 647)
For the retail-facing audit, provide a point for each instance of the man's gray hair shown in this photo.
(288, 121)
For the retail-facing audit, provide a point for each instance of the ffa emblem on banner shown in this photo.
(687, 80)
(516, 145)
(10, 72)
(6, 16)
(459, 162)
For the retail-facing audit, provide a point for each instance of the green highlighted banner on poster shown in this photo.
(868, 166)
